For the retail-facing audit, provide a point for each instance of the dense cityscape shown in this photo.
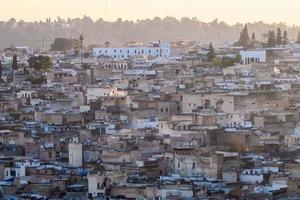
(166, 119)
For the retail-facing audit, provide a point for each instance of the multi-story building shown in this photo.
(155, 50)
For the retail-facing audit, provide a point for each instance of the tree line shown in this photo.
(274, 38)
(35, 34)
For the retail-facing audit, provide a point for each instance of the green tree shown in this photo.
(244, 38)
(238, 58)
(279, 37)
(76, 46)
(226, 61)
(15, 63)
(211, 53)
(253, 38)
(36, 79)
(271, 39)
(62, 44)
(285, 38)
(40, 63)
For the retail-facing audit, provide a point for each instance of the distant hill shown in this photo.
(36, 34)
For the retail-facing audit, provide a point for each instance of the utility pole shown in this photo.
(81, 42)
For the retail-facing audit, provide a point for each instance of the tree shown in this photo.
(76, 46)
(211, 53)
(253, 38)
(226, 61)
(238, 58)
(285, 38)
(36, 79)
(244, 38)
(279, 37)
(62, 44)
(40, 63)
(15, 63)
(271, 39)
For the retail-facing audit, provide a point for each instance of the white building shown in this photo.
(93, 93)
(251, 176)
(155, 50)
(95, 185)
(25, 94)
(75, 155)
(254, 56)
(144, 123)
(18, 171)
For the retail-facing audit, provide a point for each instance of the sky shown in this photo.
(230, 11)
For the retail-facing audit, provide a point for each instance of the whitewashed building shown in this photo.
(161, 50)
(75, 155)
(95, 185)
(17, 171)
(254, 56)
(251, 176)
(93, 93)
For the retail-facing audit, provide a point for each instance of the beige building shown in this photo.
(219, 101)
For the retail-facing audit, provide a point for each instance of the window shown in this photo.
(194, 165)
(12, 173)
(178, 165)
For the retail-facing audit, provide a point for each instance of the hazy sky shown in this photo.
(230, 11)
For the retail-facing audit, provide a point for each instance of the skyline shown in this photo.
(254, 11)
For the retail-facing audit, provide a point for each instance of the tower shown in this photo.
(81, 43)
(75, 154)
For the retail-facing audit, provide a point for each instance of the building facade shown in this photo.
(155, 50)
